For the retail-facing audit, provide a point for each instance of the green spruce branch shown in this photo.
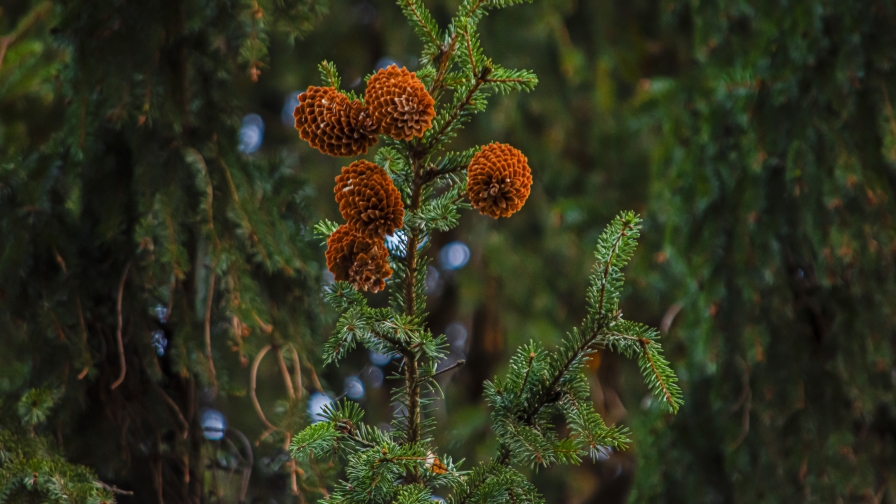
(403, 465)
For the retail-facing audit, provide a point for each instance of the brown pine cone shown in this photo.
(498, 180)
(357, 259)
(332, 123)
(399, 103)
(368, 200)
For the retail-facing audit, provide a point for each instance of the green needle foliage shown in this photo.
(774, 180)
(541, 386)
(31, 470)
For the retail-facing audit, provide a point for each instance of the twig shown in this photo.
(744, 400)
(60, 261)
(170, 299)
(457, 111)
(247, 470)
(432, 36)
(298, 371)
(456, 365)
(253, 378)
(315, 381)
(208, 330)
(358, 440)
(669, 317)
(446, 53)
(285, 372)
(114, 489)
(180, 415)
(124, 368)
(432, 174)
(293, 482)
(265, 328)
(470, 51)
(84, 371)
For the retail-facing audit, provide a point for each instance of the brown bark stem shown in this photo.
(121, 359)
(253, 378)
(208, 332)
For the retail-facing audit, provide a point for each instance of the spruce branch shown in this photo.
(609, 246)
(329, 75)
(541, 386)
(422, 21)
(445, 55)
(457, 112)
(634, 339)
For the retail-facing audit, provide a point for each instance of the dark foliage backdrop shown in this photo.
(756, 139)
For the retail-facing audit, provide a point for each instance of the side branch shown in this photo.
(432, 173)
(114, 489)
(644, 342)
(409, 4)
(456, 365)
(447, 52)
(508, 80)
(470, 52)
(548, 390)
(606, 275)
(455, 114)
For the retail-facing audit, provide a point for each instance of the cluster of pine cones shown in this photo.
(396, 104)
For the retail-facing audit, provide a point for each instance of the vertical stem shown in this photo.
(411, 369)
(411, 372)
(208, 332)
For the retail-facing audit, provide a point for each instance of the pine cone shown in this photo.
(332, 123)
(399, 103)
(498, 180)
(360, 260)
(368, 200)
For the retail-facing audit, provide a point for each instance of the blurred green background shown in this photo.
(757, 139)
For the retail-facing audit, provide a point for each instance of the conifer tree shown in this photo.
(149, 263)
(415, 115)
(774, 178)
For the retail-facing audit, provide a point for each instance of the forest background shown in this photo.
(758, 141)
